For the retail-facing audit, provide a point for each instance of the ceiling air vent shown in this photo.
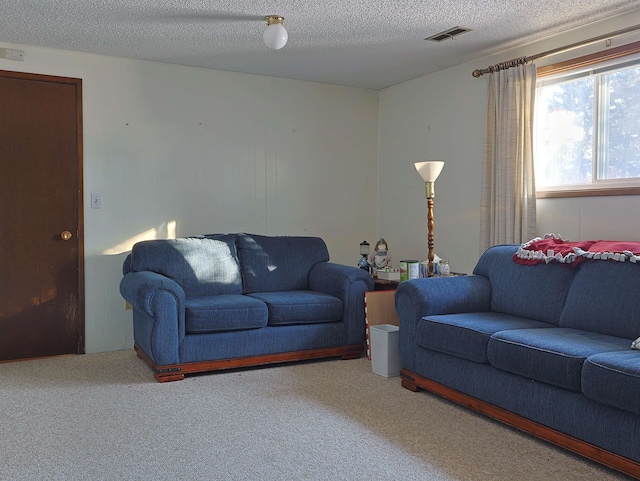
(452, 32)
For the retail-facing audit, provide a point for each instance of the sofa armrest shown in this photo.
(158, 316)
(347, 283)
(417, 298)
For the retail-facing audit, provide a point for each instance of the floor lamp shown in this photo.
(429, 171)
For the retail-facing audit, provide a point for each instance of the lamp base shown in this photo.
(364, 264)
(430, 225)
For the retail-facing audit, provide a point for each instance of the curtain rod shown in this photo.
(518, 61)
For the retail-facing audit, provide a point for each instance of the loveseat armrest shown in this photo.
(158, 316)
(417, 298)
(139, 289)
(339, 280)
(347, 283)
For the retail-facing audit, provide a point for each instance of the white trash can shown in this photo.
(385, 350)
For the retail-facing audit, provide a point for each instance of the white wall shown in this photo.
(431, 119)
(180, 151)
(442, 117)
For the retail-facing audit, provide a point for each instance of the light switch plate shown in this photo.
(96, 201)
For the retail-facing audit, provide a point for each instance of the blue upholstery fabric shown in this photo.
(613, 378)
(533, 291)
(467, 335)
(553, 355)
(283, 263)
(224, 312)
(155, 297)
(140, 288)
(201, 266)
(126, 265)
(155, 339)
(348, 285)
(256, 342)
(443, 295)
(595, 300)
(564, 410)
(299, 307)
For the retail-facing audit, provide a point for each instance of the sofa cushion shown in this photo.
(613, 378)
(604, 307)
(227, 312)
(202, 266)
(282, 263)
(532, 291)
(553, 355)
(467, 335)
(300, 307)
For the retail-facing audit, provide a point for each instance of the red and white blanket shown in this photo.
(552, 248)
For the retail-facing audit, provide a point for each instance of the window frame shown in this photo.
(576, 64)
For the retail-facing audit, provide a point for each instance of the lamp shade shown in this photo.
(429, 170)
(275, 35)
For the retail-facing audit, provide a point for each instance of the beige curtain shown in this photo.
(508, 202)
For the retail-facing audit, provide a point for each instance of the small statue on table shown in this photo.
(380, 258)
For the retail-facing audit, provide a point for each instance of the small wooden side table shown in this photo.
(379, 307)
(385, 285)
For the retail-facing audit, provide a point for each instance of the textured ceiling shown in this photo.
(362, 43)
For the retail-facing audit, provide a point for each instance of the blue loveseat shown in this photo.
(544, 347)
(222, 301)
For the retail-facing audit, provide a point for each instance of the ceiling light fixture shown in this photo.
(275, 35)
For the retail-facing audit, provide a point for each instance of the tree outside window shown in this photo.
(588, 128)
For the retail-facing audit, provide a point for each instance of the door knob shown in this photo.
(66, 235)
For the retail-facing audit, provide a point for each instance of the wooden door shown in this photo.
(41, 229)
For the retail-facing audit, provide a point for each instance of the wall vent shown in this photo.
(452, 32)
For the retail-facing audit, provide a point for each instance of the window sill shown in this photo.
(549, 194)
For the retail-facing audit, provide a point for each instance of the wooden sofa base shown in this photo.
(176, 372)
(415, 382)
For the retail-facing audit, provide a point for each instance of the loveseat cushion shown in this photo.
(279, 263)
(227, 312)
(555, 355)
(202, 266)
(467, 335)
(533, 291)
(613, 378)
(604, 307)
(300, 307)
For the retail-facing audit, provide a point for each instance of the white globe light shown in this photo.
(275, 36)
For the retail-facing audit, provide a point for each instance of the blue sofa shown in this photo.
(545, 348)
(222, 301)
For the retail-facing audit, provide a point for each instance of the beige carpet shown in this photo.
(103, 417)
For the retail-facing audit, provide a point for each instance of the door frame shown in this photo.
(77, 82)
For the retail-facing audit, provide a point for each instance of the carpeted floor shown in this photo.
(103, 417)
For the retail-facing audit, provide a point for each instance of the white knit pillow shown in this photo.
(636, 344)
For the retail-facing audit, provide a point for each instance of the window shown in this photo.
(587, 127)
